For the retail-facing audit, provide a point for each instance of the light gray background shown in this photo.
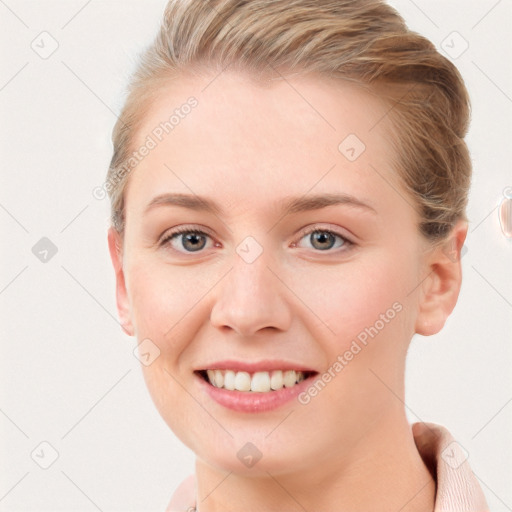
(69, 376)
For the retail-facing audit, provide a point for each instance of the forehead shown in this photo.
(250, 139)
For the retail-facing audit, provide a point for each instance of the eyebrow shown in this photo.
(290, 204)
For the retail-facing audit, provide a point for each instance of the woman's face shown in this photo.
(310, 259)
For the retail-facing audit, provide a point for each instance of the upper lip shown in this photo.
(255, 366)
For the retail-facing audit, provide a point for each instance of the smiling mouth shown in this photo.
(257, 382)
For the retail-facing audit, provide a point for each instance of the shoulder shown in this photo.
(183, 498)
(457, 489)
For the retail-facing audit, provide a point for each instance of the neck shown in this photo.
(383, 472)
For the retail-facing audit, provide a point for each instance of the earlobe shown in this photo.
(440, 289)
(115, 246)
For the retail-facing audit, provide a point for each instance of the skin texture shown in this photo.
(248, 147)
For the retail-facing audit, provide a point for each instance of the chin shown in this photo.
(251, 452)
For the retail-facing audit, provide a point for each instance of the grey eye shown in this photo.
(323, 239)
(193, 241)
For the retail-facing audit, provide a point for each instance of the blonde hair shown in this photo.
(364, 41)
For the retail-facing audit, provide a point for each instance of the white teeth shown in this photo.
(276, 381)
(259, 382)
(229, 380)
(219, 378)
(242, 381)
(289, 378)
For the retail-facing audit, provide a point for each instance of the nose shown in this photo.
(250, 298)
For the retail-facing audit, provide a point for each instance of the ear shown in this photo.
(440, 290)
(115, 245)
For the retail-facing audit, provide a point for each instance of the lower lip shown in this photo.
(251, 401)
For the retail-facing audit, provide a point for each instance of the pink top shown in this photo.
(457, 489)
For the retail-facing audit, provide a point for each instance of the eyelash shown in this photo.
(347, 244)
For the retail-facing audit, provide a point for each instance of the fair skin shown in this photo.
(249, 148)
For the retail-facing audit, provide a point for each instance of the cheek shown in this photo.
(159, 296)
(362, 300)
(162, 300)
(168, 303)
